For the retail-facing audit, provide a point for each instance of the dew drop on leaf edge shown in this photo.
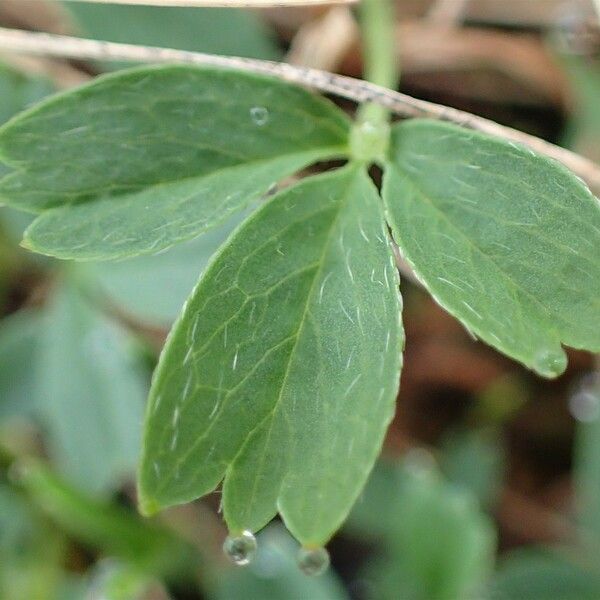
(550, 363)
(240, 549)
(313, 561)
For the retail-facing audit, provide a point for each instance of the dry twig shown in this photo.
(222, 3)
(347, 87)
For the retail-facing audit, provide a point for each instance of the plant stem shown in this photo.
(379, 53)
(370, 137)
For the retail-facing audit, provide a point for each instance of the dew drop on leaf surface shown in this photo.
(240, 549)
(313, 561)
(260, 115)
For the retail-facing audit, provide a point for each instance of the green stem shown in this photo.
(370, 136)
(379, 53)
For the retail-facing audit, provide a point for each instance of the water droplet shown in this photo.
(585, 406)
(550, 363)
(260, 115)
(240, 549)
(584, 402)
(313, 561)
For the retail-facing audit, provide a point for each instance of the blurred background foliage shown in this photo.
(489, 484)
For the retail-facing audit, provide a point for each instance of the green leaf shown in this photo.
(475, 461)
(215, 31)
(31, 553)
(583, 130)
(505, 240)
(18, 346)
(114, 580)
(14, 223)
(538, 574)
(140, 160)
(585, 406)
(374, 510)
(111, 529)
(90, 392)
(154, 288)
(440, 545)
(19, 91)
(282, 372)
(274, 575)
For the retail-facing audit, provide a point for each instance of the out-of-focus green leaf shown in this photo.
(377, 503)
(73, 587)
(543, 575)
(274, 575)
(440, 546)
(108, 528)
(154, 288)
(30, 552)
(505, 240)
(115, 580)
(90, 391)
(18, 91)
(584, 128)
(474, 461)
(216, 31)
(14, 222)
(585, 407)
(19, 336)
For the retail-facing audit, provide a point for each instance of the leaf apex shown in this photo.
(27, 244)
(148, 507)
